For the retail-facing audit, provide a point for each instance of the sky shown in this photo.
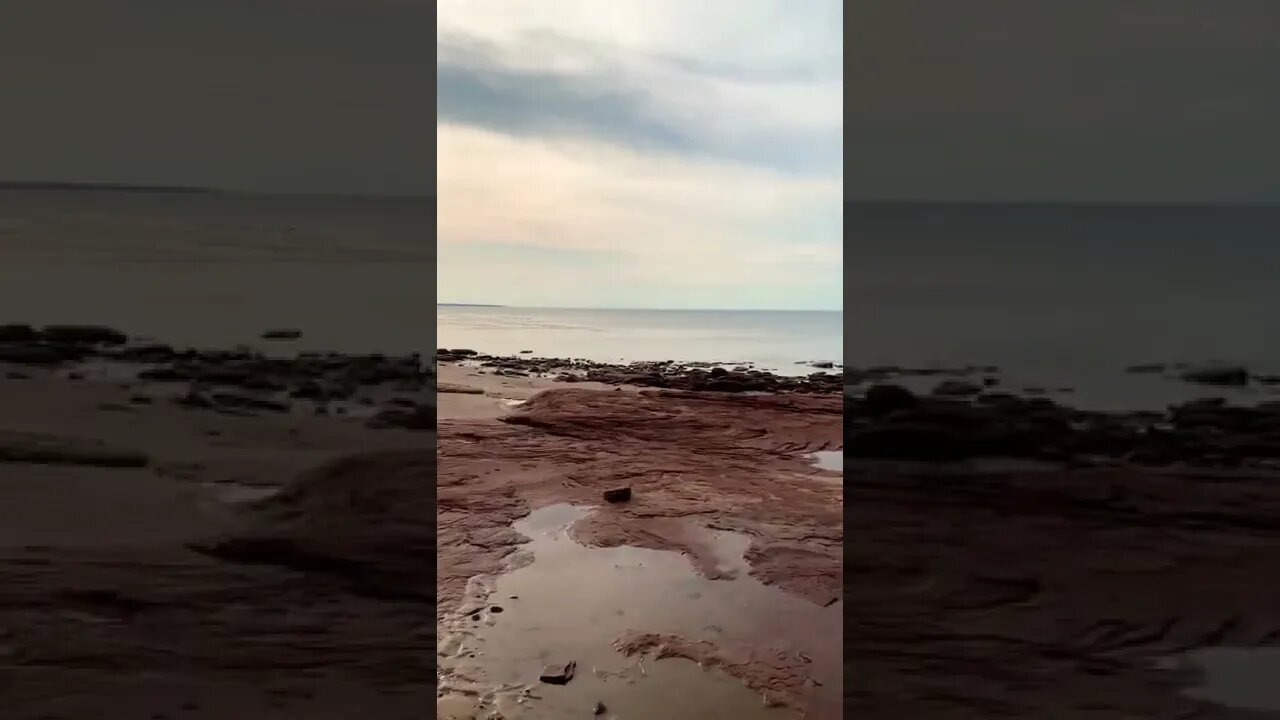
(1087, 100)
(292, 96)
(640, 153)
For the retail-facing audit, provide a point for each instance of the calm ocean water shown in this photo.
(777, 340)
(1065, 295)
(355, 274)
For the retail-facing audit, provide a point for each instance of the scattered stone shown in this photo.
(617, 495)
(555, 674)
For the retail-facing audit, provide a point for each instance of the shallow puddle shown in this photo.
(1244, 678)
(566, 602)
(829, 460)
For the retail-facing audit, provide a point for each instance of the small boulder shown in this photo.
(880, 400)
(282, 334)
(556, 674)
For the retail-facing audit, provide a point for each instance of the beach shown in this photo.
(182, 548)
(180, 522)
(726, 554)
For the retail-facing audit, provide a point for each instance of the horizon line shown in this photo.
(637, 309)
(1068, 203)
(124, 188)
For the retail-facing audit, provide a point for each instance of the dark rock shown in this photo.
(195, 399)
(824, 364)
(282, 334)
(956, 388)
(421, 417)
(880, 400)
(166, 374)
(84, 334)
(18, 333)
(526, 352)
(1226, 376)
(248, 402)
(599, 709)
(556, 674)
(1147, 369)
(31, 354)
(617, 495)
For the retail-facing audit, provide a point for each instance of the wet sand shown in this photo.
(108, 607)
(728, 555)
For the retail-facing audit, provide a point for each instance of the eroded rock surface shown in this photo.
(731, 462)
(1051, 593)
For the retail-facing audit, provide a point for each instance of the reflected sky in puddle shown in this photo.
(1243, 678)
(569, 602)
(829, 460)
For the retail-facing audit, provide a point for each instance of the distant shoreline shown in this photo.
(101, 187)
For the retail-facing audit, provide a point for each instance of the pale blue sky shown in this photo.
(640, 153)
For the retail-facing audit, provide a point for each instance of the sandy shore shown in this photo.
(109, 608)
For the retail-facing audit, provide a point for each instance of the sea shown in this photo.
(786, 342)
(1061, 298)
(355, 274)
(1067, 296)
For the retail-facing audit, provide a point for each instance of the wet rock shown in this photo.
(617, 495)
(166, 374)
(1224, 375)
(558, 674)
(195, 399)
(459, 389)
(248, 402)
(282, 334)
(20, 333)
(420, 417)
(957, 388)
(84, 334)
(31, 354)
(55, 450)
(881, 400)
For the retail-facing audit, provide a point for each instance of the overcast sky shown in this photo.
(1139, 100)
(640, 153)
(275, 95)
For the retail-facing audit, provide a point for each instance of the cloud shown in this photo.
(549, 85)
(659, 155)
